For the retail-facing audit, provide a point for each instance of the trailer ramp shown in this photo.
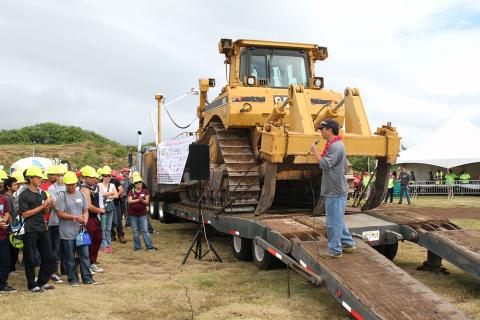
(439, 236)
(377, 288)
(366, 283)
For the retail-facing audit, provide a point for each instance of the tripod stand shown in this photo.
(200, 235)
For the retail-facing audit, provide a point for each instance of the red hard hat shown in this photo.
(114, 173)
(78, 173)
(119, 177)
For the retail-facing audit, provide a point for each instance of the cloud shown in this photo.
(98, 64)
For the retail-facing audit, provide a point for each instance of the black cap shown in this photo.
(329, 123)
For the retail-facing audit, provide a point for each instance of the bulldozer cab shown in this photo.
(272, 64)
(273, 68)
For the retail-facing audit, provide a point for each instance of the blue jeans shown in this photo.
(69, 248)
(337, 230)
(404, 189)
(107, 233)
(140, 222)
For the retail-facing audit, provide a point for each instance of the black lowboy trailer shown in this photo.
(365, 282)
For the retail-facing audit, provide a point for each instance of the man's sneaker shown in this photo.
(74, 284)
(95, 268)
(47, 286)
(36, 289)
(8, 289)
(152, 249)
(55, 278)
(349, 247)
(329, 254)
(91, 271)
(92, 282)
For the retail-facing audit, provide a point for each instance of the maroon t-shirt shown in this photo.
(137, 209)
(3, 209)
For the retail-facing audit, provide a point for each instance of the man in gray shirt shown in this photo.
(72, 210)
(334, 189)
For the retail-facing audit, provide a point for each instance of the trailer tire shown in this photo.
(242, 248)
(262, 258)
(164, 216)
(155, 208)
(388, 250)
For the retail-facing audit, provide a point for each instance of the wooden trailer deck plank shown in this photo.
(381, 286)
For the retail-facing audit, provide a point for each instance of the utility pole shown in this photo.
(159, 99)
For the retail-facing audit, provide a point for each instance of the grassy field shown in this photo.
(154, 285)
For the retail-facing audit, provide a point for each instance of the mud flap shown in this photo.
(380, 185)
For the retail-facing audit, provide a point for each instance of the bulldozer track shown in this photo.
(241, 177)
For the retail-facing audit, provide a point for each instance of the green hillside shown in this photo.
(79, 147)
(51, 133)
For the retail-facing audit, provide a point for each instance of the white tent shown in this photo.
(452, 144)
(22, 164)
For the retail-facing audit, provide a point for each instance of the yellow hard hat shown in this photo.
(45, 175)
(106, 170)
(70, 178)
(88, 171)
(136, 174)
(137, 178)
(99, 171)
(3, 175)
(18, 174)
(34, 171)
(53, 170)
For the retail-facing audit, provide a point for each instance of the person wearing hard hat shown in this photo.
(5, 222)
(109, 193)
(3, 177)
(72, 209)
(94, 199)
(138, 200)
(55, 189)
(11, 186)
(33, 205)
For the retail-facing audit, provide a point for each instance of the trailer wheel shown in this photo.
(242, 248)
(388, 250)
(164, 216)
(154, 209)
(262, 259)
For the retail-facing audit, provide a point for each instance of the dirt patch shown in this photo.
(448, 213)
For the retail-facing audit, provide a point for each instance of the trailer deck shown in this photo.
(365, 283)
(439, 236)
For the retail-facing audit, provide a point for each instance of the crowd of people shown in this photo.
(60, 220)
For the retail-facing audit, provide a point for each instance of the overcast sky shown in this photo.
(98, 64)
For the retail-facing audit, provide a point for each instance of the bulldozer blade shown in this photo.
(268, 190)
(379, 187)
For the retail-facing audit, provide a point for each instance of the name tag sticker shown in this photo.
(78, 200)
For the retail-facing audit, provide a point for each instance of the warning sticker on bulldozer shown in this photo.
(171, 159)
(373, 235)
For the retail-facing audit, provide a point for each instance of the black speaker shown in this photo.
(198, 161)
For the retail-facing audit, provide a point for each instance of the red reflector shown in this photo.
(273, 252)
(356, 315)
(339, 293)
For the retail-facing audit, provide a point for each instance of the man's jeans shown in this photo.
(140, 222)
(4, 261)
(69, 249)
(404, 189)
(337, 230)
(117, 228)
(32, 241)
(107, 233)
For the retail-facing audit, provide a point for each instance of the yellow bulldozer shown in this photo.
(260, 128)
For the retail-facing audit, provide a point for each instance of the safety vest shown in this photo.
(450, 178)
(366, 180)
(390, 183)
(465, 177)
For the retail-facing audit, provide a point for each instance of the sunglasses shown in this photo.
(107, 176)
